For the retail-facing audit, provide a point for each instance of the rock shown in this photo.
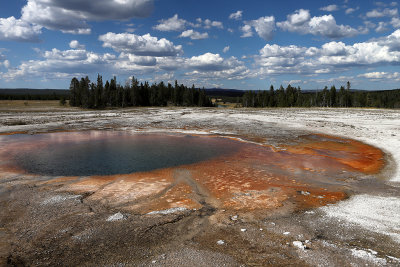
(305, 193)
(299, 245)
(116, 217)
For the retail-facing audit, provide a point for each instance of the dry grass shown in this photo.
(228, 104)
(32, 105)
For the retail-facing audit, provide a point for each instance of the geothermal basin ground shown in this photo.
(256, 187)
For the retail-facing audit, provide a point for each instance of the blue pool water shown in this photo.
(107, 153)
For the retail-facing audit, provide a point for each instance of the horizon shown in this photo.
(44, 44)
(216, 88)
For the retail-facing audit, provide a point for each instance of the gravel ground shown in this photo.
(42, 226)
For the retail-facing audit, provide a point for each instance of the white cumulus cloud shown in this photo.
(213, 66)
(330, 8)
(145, 45)
(4, 61)
(247, 31)
(57, 64)
(226, 49)
(381, 27)
(264, 27)
(12, 29)
(331, 57)
(395, 22)
(237, 15)
(379, 13)
(212, 62)
(351, 10)
(207, 23)
(376, 76)
(74, 44)
(194, 35)
(72, 16)
(172, 24)
(301, 22)
(138, 60)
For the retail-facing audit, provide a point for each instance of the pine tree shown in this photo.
(272, 101)
(74, 90)
(98, 98)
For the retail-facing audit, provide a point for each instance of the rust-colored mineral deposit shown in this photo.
(306, 173)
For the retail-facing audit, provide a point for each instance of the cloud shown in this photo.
(139, 54)
(12, 29)
(375, 52)
(176, 24)
(379, 13)
(57, 64)
(74, 44)
(351, 10)
(145, 45)
(381, 27)
(237, 15)
(331, 57)
(247, 31)
(301, 22)
(72, 16)
(207, 61)
(4, 61)
(208, 24)
(373, 75)
(138, 60)
(213, 66)
(330, 8)
(395, 22)
(226, 49)
(171, 24)
(293, 82)
(194, 35)
(264, 27)
(298, 18)
(377, 76)
(171, 63)
(281, 59)
(334, 49)
(55, 18)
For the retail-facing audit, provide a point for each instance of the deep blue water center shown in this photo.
(107, 153)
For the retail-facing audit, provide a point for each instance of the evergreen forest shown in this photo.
(86, 94)
(344, 97)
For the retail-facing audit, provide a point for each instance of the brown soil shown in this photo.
(62, 220)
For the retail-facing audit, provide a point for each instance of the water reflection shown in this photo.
(107, 153)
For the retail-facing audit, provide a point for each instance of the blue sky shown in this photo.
(228, 44)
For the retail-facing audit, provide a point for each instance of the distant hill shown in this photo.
(27, 91)
(33, 94)
(213, 92)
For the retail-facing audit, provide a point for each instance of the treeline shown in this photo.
(33, 94)
(344, 97)
(86, 94)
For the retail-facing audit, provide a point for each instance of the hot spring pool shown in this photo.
(107, 153)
